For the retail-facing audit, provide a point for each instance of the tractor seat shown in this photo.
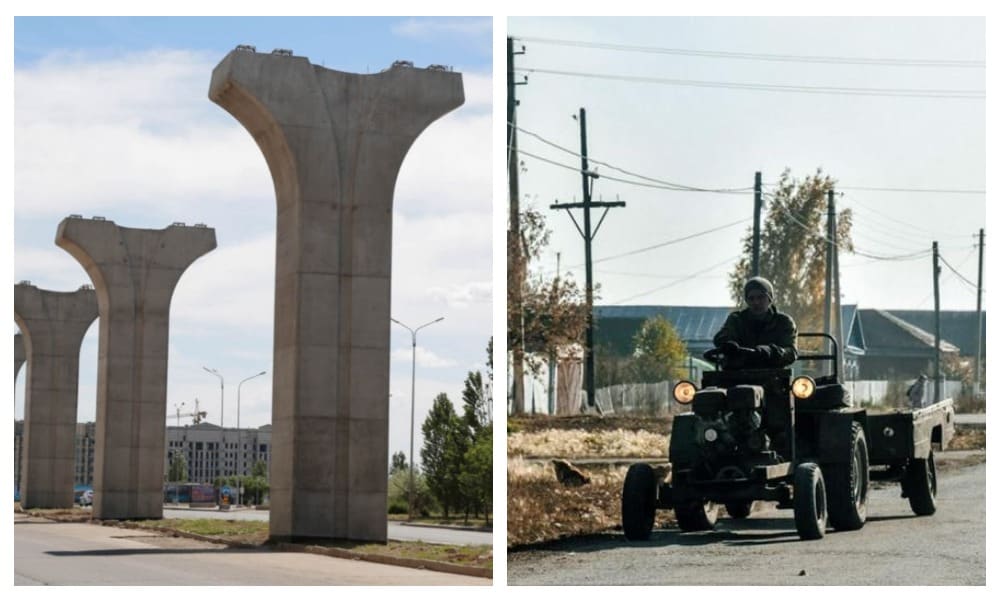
(828, 397)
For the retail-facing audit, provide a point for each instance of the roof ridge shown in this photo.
(918, 333)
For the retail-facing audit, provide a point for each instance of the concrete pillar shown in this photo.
(53, 325)
(18, 355)
(334, 143)
(134, 273)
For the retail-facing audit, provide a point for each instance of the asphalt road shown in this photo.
(397, 531)
(894, 548)
(48, 553)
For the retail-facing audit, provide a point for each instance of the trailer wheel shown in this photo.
(809, 501)
(847, 492)
(739, 510)
(639, 502)
(920, 485)
(696, 515)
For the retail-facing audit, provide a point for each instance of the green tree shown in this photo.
(398, 462)
(446, 440)
(178, 471)
(542, 314)
(399, 490)
(660, 353)
(793, 248)
(259, 470)
(476, 479)
(477, 409)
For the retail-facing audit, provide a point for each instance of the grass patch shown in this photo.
(472, 522)
(247, 532)
(470, 556)
(539, 509)
(968, 439)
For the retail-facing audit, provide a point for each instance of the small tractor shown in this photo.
(760, 434)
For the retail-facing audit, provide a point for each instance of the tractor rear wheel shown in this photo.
(739, 509)
(639, 502)
(847, 489)
(696, 515)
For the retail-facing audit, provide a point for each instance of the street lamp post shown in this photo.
(413, 402)
(239, 442)
(222, 417)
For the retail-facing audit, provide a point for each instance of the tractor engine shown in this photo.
(729, 431)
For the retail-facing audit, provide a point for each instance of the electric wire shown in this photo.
(681, 280)
(845, 60)
(801, 89)
(591, 160)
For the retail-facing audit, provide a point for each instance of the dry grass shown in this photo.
(577, 443)
(539, 509)
(968, 439)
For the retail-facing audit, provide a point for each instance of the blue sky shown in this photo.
(112, 118)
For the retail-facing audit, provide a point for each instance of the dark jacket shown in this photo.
(776, 331)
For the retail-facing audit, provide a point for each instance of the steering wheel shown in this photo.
(714, 355)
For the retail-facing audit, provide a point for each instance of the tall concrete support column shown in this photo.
(134, 273)
(53, 325)
(334, 143)
(18, 355)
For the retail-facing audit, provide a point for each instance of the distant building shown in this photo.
(210, 451)
(86, 435)
(879, 344)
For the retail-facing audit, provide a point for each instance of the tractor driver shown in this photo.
(758, 336)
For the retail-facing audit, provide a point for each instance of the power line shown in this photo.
(887, 62)
(656, 276)
(677, 186)
(659, 186)
(671, 242)
(914, 190)
(802, 89)
(807, 229)
(663, 244)
(683, 279)
(955, 271)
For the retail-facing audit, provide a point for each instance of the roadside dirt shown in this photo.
(540, 510)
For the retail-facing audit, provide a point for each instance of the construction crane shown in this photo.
(197, 414)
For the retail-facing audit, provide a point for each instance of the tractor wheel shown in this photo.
(809, 501)
(847, 489)
(696, 515)
(740, 509)
(639, 502)
(920, 485)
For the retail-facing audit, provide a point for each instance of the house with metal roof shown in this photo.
(879, 344)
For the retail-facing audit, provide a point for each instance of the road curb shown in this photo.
(412, 563)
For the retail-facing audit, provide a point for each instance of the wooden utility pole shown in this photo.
(758, 202)
(588, 237)
(517, 261)
(979, 311)
(831, 241)
(937, 328)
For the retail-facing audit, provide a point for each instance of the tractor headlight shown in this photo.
(684, 392)
(803, 387)
(711, 435)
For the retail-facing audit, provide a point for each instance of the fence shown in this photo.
(656, 399)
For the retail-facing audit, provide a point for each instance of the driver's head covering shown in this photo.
(761, 284)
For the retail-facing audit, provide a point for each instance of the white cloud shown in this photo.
(429, 28)
(461, 295)
(424, 357)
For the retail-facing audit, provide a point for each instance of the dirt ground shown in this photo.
(539, 509)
